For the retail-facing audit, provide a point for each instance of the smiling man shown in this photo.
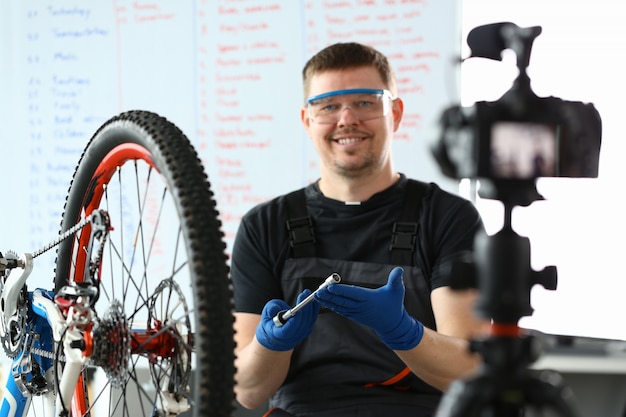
(392, 336)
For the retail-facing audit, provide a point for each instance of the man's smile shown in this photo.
(348, 140)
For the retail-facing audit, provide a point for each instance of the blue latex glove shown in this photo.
(380, 309)
(296, 329)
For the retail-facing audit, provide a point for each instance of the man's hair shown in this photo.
(348, 55)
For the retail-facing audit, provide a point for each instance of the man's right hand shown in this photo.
(296, 329)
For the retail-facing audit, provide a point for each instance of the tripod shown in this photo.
(504, 386)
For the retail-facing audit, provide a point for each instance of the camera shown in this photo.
(520, 137)
(507, 144)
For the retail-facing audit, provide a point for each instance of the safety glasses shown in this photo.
(364, 103)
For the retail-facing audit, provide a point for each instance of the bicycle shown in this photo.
(139, 321)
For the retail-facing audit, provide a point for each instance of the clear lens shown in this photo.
(364, 104)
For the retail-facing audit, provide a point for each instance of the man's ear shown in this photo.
(397, 109)
(304, 118)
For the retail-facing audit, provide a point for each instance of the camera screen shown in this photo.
(523, 150)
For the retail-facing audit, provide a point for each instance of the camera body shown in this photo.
(519, 137)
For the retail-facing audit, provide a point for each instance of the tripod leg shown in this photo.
(513, 396)
(546, 389)
(469, 398)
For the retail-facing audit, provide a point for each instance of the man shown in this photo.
(357, 349)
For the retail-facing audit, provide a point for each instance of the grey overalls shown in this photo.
(342, 362)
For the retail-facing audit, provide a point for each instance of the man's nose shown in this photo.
(347, 117)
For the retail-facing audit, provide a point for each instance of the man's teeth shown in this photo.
(346, 141)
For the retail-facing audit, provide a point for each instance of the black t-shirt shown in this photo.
(361, 232)
(342, 368)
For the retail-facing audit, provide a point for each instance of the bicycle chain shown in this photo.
(46, 354)
(71, 231)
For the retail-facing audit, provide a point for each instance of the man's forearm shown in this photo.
(439, 359)
(260, 372)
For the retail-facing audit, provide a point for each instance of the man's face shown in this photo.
(350, 146)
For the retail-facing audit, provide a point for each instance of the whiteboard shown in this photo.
(227, 72)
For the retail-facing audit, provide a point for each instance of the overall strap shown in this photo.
(404, 233)
(299, 225)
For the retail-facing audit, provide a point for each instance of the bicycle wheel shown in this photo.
(164, 334)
